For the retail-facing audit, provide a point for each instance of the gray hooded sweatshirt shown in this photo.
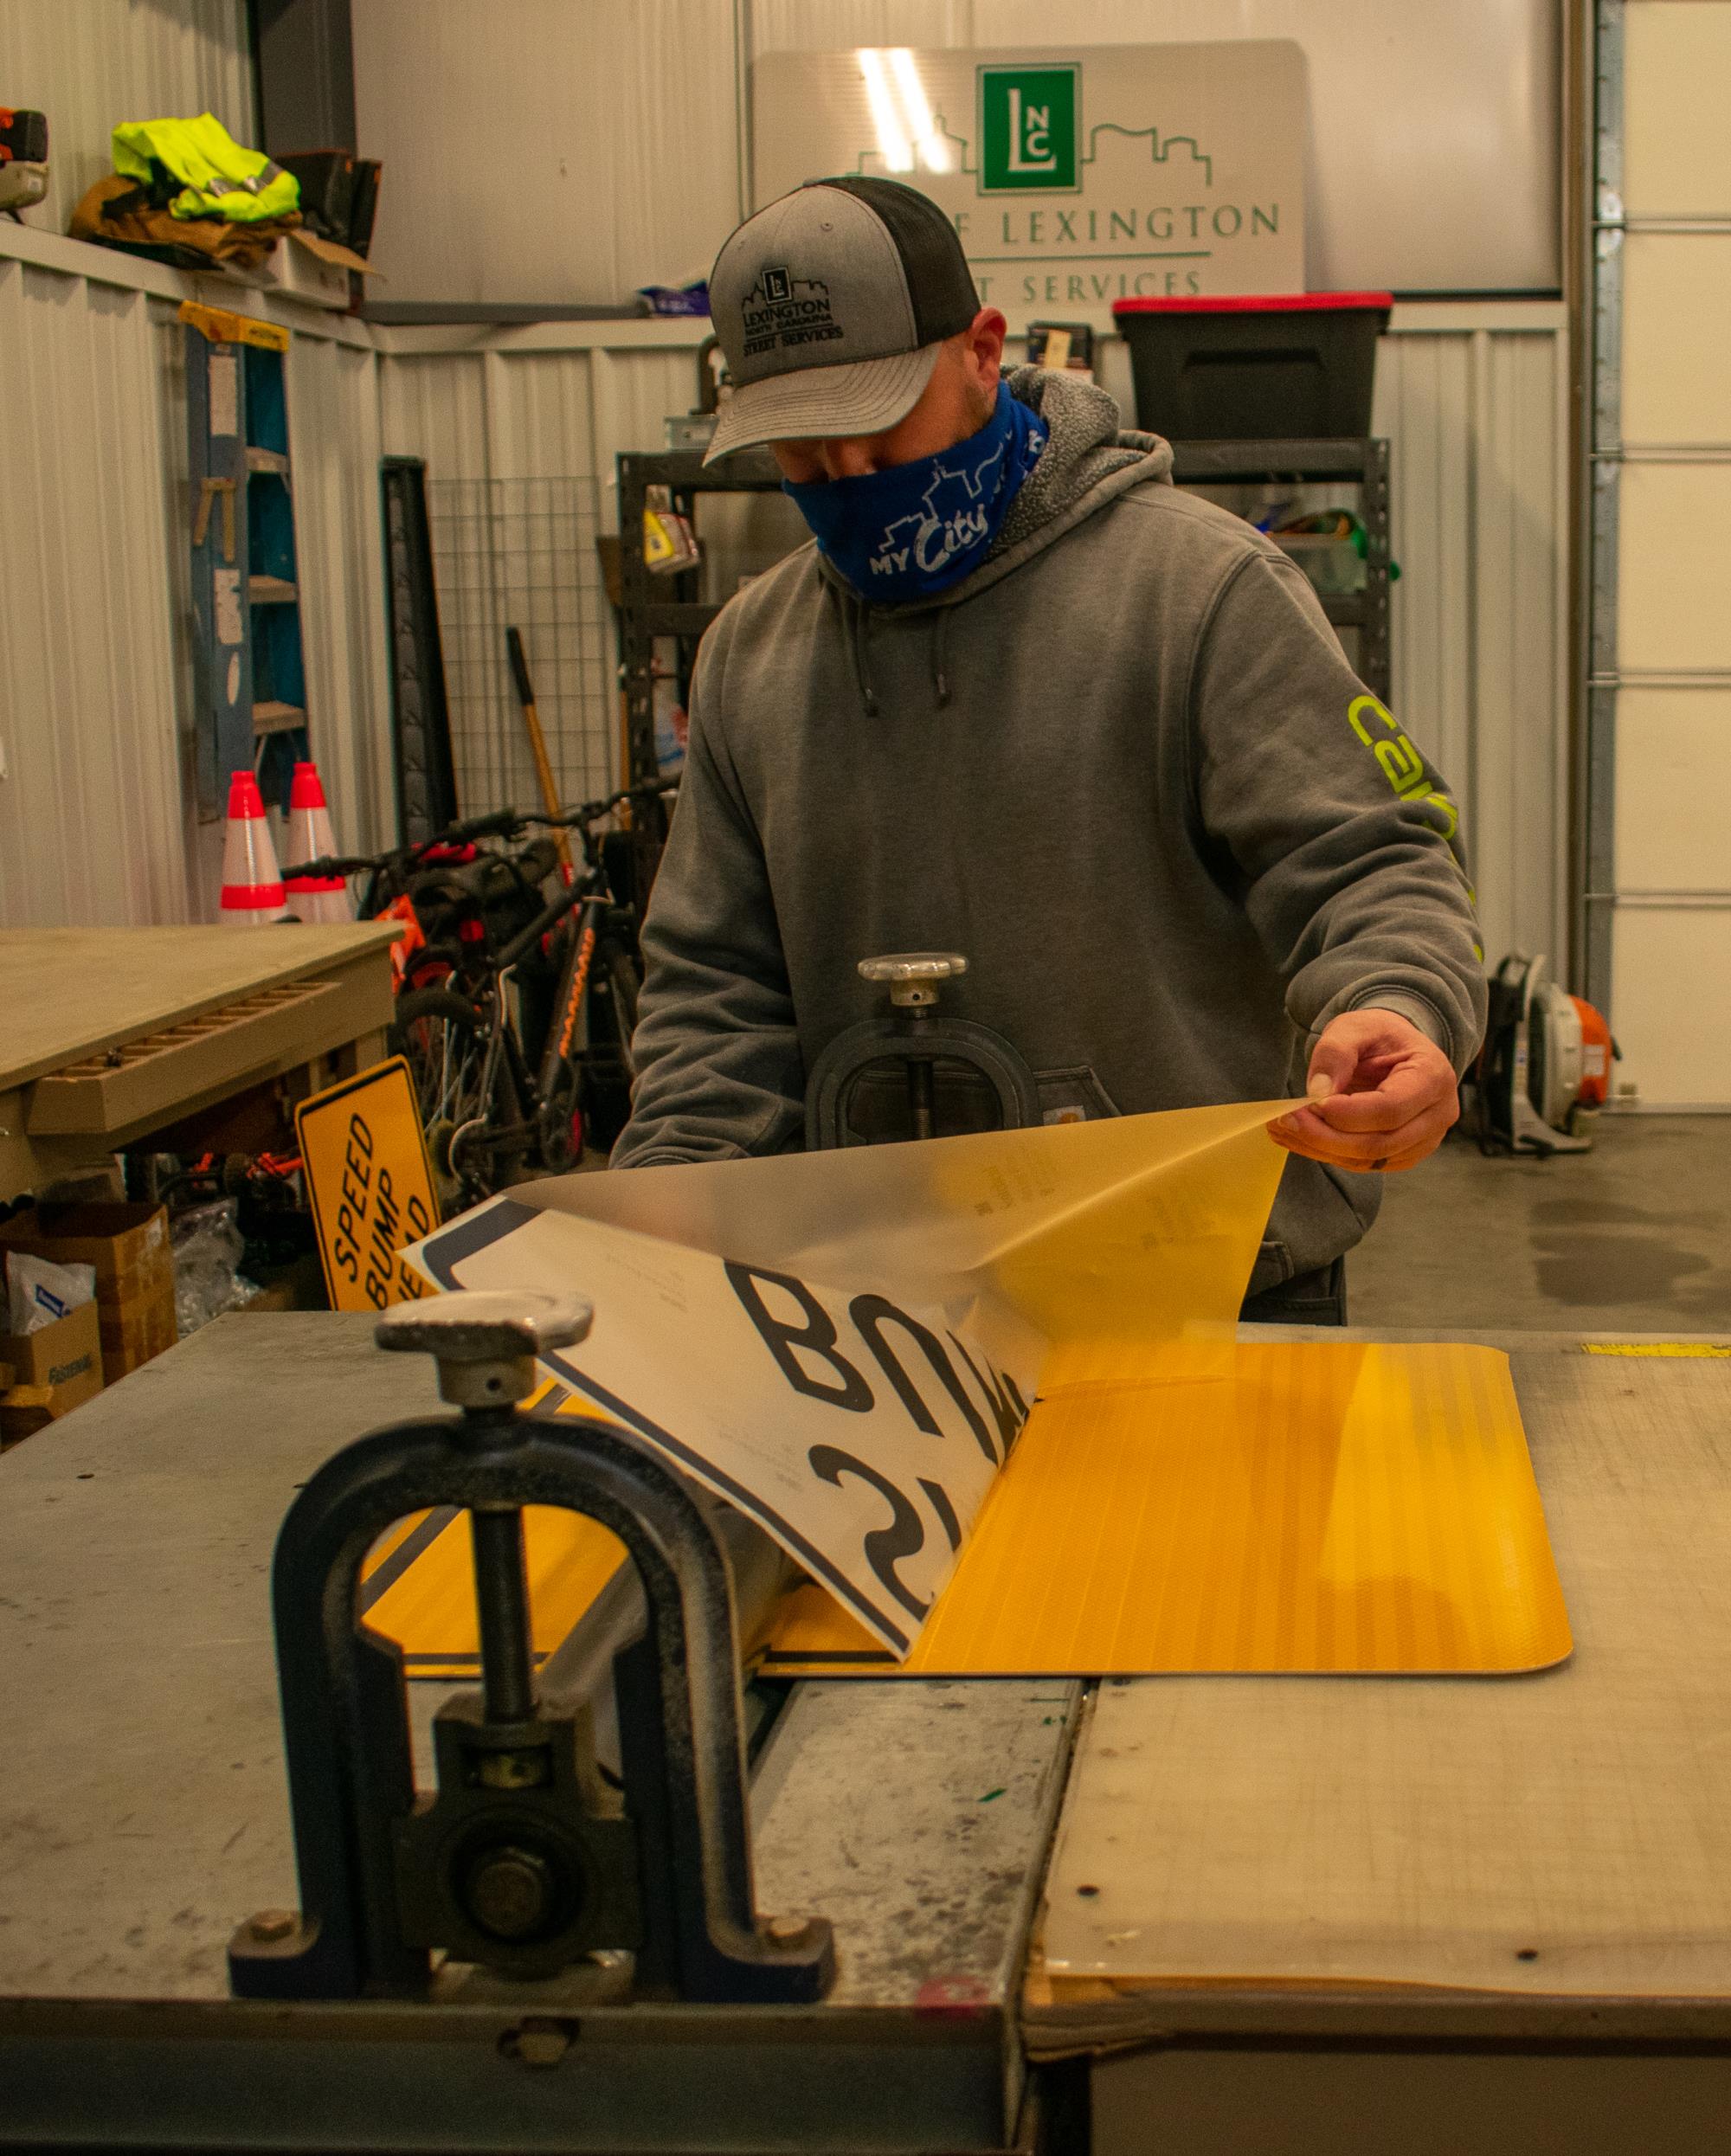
(1123, 767)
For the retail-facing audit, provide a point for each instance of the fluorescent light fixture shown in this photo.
(893, 145)
(930, 147)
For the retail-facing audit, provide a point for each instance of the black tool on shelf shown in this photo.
(653, 606)
(916, 1036)
(525, 1862)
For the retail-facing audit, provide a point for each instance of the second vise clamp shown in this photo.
(918, 1039)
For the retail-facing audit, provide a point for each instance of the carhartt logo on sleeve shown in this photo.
(783, 309)
(1402, 765)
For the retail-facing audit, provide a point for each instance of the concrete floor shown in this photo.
(1635, 1235)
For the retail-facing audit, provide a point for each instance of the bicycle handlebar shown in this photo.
(499, 823)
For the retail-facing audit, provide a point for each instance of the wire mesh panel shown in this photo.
(521, 553)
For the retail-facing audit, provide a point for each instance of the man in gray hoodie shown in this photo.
(1023, 700)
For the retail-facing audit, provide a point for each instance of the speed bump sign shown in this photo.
(369, 1183)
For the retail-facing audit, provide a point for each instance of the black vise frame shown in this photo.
(524, 1862)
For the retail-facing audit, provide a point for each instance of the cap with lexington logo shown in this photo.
(830, 306)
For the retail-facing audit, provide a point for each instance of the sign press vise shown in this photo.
(525, 1862)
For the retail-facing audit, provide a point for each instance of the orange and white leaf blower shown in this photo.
(1545, 1069)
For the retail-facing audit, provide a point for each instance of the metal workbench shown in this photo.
(145, 1813)
(1357, 1915)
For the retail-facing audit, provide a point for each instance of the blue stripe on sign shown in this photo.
(405, 1553)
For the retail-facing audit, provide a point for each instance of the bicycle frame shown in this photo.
(573, 987)
(591, 896)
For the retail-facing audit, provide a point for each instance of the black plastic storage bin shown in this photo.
(1296, 369)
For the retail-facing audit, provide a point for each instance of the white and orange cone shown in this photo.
(310, 839)
(251, 883)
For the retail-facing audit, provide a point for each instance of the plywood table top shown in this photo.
(69, 993)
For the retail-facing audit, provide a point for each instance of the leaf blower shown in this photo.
(1545, 1068)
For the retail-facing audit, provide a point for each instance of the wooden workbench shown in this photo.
(108, 1034)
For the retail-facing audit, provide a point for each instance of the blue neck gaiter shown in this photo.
(915, 529)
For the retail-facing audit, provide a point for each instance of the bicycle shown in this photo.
(449, 895)
(491, 1105)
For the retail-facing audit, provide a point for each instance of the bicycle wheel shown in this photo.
(444, 1040)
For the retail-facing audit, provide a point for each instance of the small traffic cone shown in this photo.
(251, 883)
(310, 839)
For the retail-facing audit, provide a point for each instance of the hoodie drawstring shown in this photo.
(862, 664)
(940, 641)
(860, 622)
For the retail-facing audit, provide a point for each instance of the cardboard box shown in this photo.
(128, 1246)
(54, 1369)
(303, 266)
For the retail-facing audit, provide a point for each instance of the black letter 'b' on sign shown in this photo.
(788, 1343)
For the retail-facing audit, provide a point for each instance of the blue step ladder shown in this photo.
(249, 666)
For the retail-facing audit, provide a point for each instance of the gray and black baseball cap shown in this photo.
(830, 306)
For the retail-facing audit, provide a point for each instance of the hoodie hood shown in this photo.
(1087, 448)
(1089, 458)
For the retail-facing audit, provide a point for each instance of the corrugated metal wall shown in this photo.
(1473, 401)
(519, 444)
(96, 817)
(89, 64)
(90, 798)
(95, 665)
(95, 670)
(94, 661)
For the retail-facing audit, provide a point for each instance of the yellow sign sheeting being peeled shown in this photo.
(845, 1346)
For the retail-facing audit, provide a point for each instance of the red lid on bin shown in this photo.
(1252, 303)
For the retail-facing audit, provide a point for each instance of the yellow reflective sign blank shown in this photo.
(1328, 1509)
(369, 1184)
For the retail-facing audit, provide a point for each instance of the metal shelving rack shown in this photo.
(653, 606)
(669, 606)
(1360, 460)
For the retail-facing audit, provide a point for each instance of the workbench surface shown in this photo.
(144, 1811)
(1562, 1834)
(71, 993)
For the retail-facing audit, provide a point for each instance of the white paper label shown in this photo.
(225, 587)
(225, 394)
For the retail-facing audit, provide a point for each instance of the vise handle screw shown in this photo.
(486, 1340)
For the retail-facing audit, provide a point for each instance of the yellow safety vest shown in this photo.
(219, 177)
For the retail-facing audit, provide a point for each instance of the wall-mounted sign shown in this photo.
(1075, 176)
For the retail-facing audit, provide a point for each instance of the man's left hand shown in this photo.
(1382, 1095)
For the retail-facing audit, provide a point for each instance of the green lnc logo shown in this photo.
(1028, 129)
